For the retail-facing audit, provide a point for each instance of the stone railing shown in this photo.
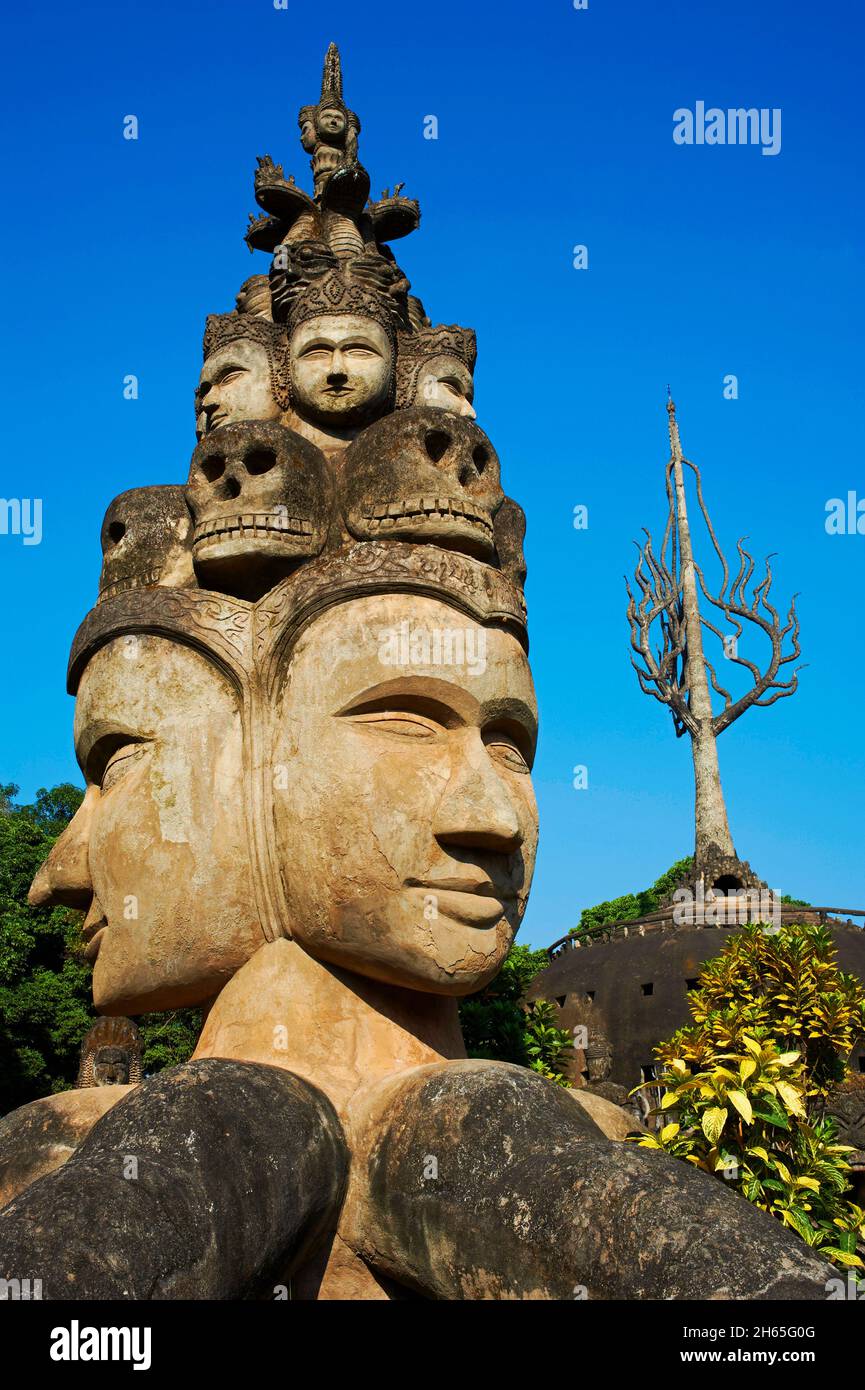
(730, 911)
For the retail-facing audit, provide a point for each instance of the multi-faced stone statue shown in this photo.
(329, 132)
(420, 724)
(245, 372)
(309, 808)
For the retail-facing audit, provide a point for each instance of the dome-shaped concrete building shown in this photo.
(628, 991)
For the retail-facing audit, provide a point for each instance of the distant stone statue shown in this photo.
(110, 1054)
(329, 131)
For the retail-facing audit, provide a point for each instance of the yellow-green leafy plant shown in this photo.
(745, 1085)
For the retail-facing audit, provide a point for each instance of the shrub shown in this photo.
(746, 1084)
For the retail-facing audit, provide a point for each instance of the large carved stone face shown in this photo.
(341, 370)
(408, 831)
(421, 475)
(260, 500)
(157, 854)
(235, 384)
(446, 383)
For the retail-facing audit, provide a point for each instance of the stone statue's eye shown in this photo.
(400, 724)
(507, 753)
(120, 763)
(231, 375)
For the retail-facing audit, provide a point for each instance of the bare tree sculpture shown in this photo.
(667, 636)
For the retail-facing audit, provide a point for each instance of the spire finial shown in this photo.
(675, 445)
(331, 77)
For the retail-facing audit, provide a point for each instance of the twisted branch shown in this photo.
(662, 672)
(738, 608)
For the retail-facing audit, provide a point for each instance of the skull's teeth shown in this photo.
(254, 524)
(382, 515)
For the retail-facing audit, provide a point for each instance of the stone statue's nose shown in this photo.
(64, 879)
(337, 371)
(477, 810)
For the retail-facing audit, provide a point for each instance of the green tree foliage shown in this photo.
(633, 905)
(45, 983)
(747, 1082)
(497, 1025)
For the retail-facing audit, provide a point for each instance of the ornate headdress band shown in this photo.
(335, 293)
(242, 637)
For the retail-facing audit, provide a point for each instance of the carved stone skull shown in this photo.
(423, 475)
(260, 497)
(146, 540)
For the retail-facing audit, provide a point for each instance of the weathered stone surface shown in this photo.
(239, 1172)
(530, 1201)
(421, 879)
(162, 864)
(39, 1137)
(265, 1013)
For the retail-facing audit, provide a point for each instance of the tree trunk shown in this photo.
(711, 813)
(711, 825)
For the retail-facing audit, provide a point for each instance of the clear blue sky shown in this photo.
(555, 128)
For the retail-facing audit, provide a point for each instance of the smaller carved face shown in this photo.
(341, 370)
(446, 383)
(111, 1067)
(235, 384)
(331, 123)
(421, 475)
(260, 500)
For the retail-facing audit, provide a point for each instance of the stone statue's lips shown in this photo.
(469, 899)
